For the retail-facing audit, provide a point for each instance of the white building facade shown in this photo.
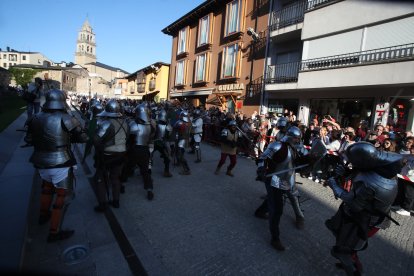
(10, 57)
(352, 59)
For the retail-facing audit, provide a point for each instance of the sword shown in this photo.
(287, 170)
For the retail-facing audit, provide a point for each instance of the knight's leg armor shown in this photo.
(294, 201)
(198, 152)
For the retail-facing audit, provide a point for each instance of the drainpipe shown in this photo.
(262, 96)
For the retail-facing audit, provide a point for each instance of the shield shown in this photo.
(318, 150)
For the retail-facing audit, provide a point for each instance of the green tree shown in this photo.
(23, 76)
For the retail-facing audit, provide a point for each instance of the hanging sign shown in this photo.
(381, 114)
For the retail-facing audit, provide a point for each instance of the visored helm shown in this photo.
(364, 155)
(55, 100)
(282, 122)
(232, 123)
(112, 110)
(93, 101)
(292, 136)
(184, 116)
(162, 116)
(142, 113)
(97, 108)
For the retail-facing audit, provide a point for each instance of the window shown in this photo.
(4, 64)
(5, 56)
(204, 30)
(13, 57)
(182, 41)
(233, 15)
(23, 57)
(141, 87)
(201, 68)
(179, 72)
(230, 61)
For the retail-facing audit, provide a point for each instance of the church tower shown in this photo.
(85, 45)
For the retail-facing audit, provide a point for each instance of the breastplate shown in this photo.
(142, 134)
(51, 142)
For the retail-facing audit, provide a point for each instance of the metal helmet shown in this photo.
(282, 122)
(232, 123)
(197, 113)
(184, 116)
(97, 108)
(93, 101)
(142, 113)
(112, 110)
(162, 116)
(55, 100)
(364, 155)
(292, 136)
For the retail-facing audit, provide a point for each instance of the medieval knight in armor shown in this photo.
(110, 147)
(181, 132)
(282, 156)
(52, 131)
(230, 136)
(142, 133)
(196, 134)
(161, 144)
(366, 205)
(293, 195)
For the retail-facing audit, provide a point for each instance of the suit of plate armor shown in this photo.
(367, 204)
(52, 133)
(162, 136)
(279, 156)
(197, 133)
(110, 147)
(142, 133)
(181, 132)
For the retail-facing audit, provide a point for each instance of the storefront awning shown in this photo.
(150, 96)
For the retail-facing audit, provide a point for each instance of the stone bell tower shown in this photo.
(85, 45)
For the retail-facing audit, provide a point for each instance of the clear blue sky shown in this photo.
(128, 32)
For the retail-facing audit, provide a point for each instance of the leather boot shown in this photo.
(150, 195)
(277, 244)
(229, 173)
(217, 171)
(101, 208)
(167, 173)
(61, 235)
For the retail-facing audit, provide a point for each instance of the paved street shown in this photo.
(203, 224)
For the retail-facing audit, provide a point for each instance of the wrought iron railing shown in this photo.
(289, 15)
(316, 3)
(255, 87)
(283, 73)
(395, 53)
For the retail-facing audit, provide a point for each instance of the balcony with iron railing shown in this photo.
(381, 55)
(294, 13)
(282, 73)
(289, 15)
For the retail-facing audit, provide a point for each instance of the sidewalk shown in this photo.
(200, 224)
(16, 178)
